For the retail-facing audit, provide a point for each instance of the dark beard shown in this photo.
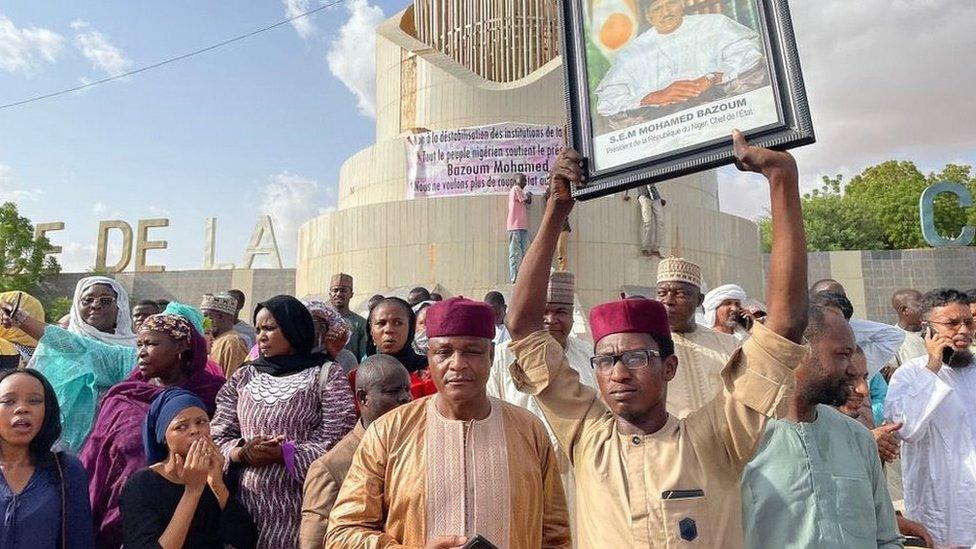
(832, 394)
(960, 359)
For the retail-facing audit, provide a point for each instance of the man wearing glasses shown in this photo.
(645, 478)
(934, 396)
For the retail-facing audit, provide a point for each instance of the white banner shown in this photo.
(692, 126)
(480, 161)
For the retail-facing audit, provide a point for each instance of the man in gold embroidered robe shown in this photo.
(444, 468)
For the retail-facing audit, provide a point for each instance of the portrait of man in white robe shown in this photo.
(683, 60)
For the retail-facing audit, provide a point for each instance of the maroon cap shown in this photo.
(630, 316)
(458, 316)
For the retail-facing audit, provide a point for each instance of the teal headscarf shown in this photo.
(190, 313)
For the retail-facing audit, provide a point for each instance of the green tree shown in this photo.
(878, 209)
(888, 194)
(24, 260)
(57, 308)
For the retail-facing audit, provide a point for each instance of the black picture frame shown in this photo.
(794, 129)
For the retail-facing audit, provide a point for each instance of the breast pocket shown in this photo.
(855, 508)
(686, 519)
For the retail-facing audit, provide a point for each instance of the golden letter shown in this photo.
(263, 227)
(103, 228)
(41, 229)
(143, 244)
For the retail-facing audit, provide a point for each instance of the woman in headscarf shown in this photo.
(95, 351)
(420, 327)
(100, 311)
(14, 342)
(181, 500)
(195, 316)
(392, 324)
(43, 494)
(279, 413)
(171, 353)
(332, 332)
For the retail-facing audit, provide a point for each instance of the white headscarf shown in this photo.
(716, 297)
(123, 323)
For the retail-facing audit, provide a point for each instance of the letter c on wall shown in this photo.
(926, 206)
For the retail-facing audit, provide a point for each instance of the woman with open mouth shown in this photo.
(43, 494)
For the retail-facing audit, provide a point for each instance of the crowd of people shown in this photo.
(698, 419)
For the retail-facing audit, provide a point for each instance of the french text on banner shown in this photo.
(482, 160)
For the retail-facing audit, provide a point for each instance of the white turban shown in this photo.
(716, 297)
(123, 322)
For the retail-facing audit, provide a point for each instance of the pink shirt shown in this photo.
(518, 212)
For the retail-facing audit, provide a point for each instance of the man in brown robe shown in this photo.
(447, 467)
(645, 478)
(382, 384)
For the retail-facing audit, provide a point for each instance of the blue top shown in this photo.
(879, 390)
(32, 518)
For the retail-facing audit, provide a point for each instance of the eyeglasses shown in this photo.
(632, 360)
(954, 325)
(104, 301)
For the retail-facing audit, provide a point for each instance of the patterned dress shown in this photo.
(305, 413)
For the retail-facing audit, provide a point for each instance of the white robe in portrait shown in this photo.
(701, 45)
(939, 450)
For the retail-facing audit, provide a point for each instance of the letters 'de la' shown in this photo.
(262, 243)
(926, 206)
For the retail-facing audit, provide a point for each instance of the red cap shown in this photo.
(630, 316)
(458, 316)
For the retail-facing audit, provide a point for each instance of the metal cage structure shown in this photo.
(499, 40)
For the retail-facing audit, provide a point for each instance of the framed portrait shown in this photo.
(654, 88)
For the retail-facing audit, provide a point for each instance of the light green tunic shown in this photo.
(80, 369)
(817, 484)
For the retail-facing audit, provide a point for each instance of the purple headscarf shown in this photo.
(114, 450)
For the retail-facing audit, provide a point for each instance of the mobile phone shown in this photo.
(947, 352)
(478, 542)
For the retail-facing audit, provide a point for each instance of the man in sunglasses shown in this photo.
(645, 478)
(934, 396)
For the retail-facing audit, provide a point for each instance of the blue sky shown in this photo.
(202, 137)
(264, 124)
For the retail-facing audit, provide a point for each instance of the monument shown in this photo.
(447, 65)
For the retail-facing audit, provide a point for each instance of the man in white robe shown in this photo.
(702, 352)
(933, 396)
(724, 311)
(680, 58)
(559, 324)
